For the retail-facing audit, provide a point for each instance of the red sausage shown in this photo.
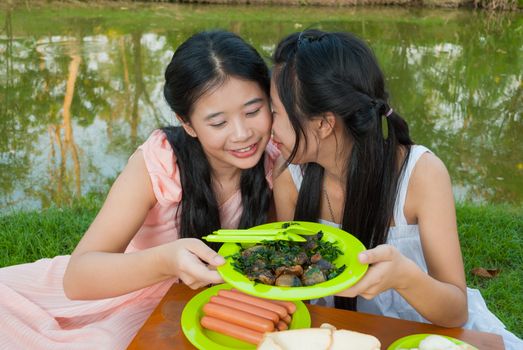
(289, 305)
(241, 318)
(287, 319)
(264, 303)
(282, 326)
(238, 305)
(231, 330)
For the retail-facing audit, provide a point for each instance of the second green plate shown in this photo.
(205, 339)
(412, 341)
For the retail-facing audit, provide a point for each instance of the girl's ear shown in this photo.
(325, 125)
(187, 127)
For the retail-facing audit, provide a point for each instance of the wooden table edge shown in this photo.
(162, 330)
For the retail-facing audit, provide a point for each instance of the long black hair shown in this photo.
(201, 63)
(319, 72)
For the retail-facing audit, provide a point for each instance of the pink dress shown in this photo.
(36, 314)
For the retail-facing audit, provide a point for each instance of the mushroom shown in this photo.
(312, 275)
(324, 265)
(300, 258)
(265, 277)
(259, 265)
(288, 280)
(296, 270)
(315, 258)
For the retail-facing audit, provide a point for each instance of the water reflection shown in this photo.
(78, 95)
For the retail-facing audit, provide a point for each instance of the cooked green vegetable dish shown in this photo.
(288, 263)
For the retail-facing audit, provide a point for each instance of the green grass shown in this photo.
(29, 236)
(39, 18)
(491, 237)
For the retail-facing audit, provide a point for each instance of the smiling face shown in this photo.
(232, 123)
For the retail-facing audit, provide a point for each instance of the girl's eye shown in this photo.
(253, 113)
(217, 125)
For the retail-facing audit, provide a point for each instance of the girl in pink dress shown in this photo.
(182, 183)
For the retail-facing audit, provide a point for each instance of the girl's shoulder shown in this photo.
(162, 167)
(429, 186)
(420, 161)
(426, 163)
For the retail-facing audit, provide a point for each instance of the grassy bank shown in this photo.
(491, 237)
(502, 5)
(31, 235)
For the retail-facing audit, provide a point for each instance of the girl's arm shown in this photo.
(439, 296)
(431, 203)
(99, 269)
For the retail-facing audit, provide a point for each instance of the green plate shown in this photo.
(205, 339)
(412, 341)
(349, 245)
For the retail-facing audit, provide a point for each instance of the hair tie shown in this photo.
(299, 42)
(389, 113)
(308, 37)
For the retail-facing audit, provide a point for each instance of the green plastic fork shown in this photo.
(256, 232)
(283, 236)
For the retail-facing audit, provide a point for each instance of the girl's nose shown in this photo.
(241, 131)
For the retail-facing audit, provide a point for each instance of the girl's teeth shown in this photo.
(244, 149)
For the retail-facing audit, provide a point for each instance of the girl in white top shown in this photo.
(351, 162)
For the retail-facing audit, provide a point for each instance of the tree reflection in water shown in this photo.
(78, 95)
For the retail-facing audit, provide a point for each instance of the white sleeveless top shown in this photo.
(406, 239)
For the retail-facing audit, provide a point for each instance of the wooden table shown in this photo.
(162, 329)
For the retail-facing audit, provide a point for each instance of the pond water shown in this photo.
(81, 87)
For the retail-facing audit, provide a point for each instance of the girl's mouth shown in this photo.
(245, 152)
(277, 143)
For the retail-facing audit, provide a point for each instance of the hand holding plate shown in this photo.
(193, 262)
(386, 271)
